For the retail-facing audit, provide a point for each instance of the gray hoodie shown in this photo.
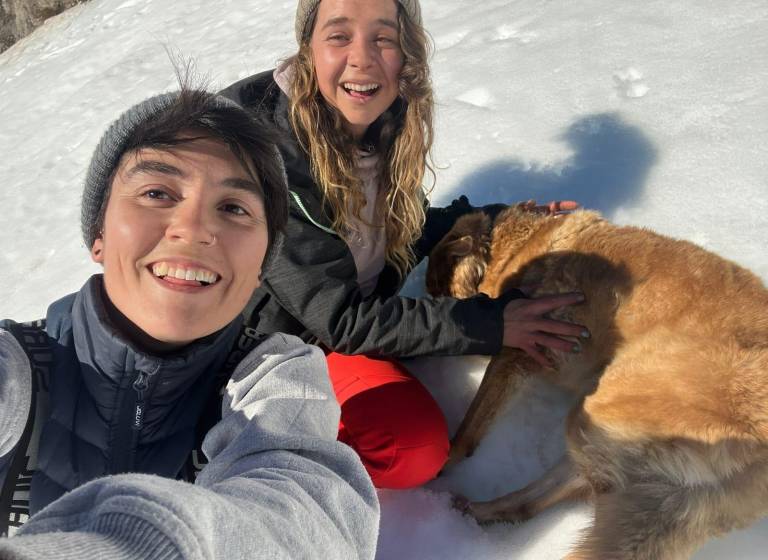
(277, 485)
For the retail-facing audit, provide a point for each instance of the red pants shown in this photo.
(389, 418)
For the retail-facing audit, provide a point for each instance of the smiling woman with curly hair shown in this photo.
(354, 110)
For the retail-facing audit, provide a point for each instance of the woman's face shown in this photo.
(355, 48)
(183, 242)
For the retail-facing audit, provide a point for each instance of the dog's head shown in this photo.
(457, 263)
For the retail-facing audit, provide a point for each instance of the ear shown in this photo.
(461, 247)
(97, 251)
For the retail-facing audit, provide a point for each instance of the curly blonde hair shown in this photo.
(402, 136)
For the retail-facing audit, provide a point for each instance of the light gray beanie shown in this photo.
(119, 138)
(305, 14)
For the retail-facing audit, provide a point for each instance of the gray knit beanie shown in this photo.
(305, 14)
(121, 137)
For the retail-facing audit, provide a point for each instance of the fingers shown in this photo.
(545, 304)
(560, 328)
(555, 343)
(542, 341)
(538, 356)
(530, 206)
(527, 328)
(557, 206)
(552, 208)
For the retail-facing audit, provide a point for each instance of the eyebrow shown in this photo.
(243, 185)
(343, 19)
(152, 167)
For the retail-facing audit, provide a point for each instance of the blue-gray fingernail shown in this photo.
(576, 349)
(585, 334)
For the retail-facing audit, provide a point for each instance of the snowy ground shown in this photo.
(655, 113)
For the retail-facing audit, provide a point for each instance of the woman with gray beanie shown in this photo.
(353, 109)
(140, 419)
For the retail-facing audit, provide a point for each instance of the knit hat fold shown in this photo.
(306, 9)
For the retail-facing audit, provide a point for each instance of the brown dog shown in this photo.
(670, 434)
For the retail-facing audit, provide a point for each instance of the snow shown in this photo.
(655, 113)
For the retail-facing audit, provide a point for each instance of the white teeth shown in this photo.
(204, 276)
(358, 87)
(164, 269)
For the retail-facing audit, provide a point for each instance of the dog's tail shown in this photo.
(655, 520)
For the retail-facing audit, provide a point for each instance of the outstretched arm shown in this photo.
(278, 484)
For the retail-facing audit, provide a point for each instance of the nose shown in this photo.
(191, 223)
(361, 54)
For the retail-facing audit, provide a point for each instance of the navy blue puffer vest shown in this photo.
(114, 408)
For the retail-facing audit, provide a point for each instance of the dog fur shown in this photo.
(669, 438)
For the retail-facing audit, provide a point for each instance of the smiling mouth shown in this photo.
(184, 276)
(361, 91)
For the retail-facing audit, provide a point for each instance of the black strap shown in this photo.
(14, 496)
(246, 341)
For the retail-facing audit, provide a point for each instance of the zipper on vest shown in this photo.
(131, 422)
(140, 386)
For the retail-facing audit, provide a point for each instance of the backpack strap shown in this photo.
(246, 341)
(14, 495)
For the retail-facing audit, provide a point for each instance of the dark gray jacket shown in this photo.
(311, 288)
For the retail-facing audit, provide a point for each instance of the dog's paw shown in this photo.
(468, 509)
(462, 504)
(488, 513)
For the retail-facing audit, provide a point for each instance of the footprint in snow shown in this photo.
(630, 82)
(478, 97)
(450, 39)
(511, 32)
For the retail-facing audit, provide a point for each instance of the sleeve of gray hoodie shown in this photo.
(278, 484)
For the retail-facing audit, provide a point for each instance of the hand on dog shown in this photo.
(554, 208)
(525, 326)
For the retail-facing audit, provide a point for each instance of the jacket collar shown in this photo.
(305, 198)
(109, 361)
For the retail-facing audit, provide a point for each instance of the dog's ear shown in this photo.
(460, 247)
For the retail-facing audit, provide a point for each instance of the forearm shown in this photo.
(136, 516)
(278, 484)
(314, 280)
(406, 327)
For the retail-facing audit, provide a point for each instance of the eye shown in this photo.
(154, 193)
(235, 209)
(338, 38)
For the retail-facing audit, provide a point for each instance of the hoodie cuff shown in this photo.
(111, 536)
